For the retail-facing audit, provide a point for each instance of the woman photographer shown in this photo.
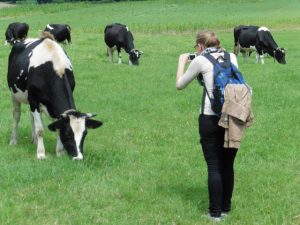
(219, 160)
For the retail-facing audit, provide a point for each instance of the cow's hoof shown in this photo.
(60, 153)
(13, 142)
(79, 157)
(41, 157)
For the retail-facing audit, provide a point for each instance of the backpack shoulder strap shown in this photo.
(227, 60)
(211, 58)
(214, 61)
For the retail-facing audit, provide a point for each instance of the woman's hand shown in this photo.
(183, 59)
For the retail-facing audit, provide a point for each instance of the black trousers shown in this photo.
(219, 162)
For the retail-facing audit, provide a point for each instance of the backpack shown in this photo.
(224, 73)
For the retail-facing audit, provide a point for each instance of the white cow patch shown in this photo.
(50, 51)
(78, 127)
(49, 27)
(127, 28)
(250, 49)
(20, 96)
(263, 29)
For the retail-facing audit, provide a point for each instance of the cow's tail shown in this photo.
(236, 49)
(236, 34)
(69, 92)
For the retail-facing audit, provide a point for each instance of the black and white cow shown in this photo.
(40, 73)
(259, 39)
(251, 31)
(16, 32)
(61, 32)
(117, 36)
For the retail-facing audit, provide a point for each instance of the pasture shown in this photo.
(145, 165)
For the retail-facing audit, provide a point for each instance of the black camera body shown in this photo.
(192, 56)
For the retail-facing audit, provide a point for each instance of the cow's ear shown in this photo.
(90, 123)
(55, 125)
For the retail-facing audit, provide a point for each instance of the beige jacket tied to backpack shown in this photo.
(236, 114)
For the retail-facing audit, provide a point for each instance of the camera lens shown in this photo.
(192, 56)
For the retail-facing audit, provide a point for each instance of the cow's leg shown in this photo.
(236, 49)
(245, 56)
(16, 120)
(260, 58)
(59, 147)
(110, 52)
(33, 135)
(39, 132)
(119, 55)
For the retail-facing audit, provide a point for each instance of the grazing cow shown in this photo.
(40, 73)
(251, 31)
(118, 36)
(16, 32)
(61, 32)
(259, 39)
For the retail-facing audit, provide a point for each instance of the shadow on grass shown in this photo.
(196, 196)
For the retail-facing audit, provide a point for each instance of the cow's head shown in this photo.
(9, 37)
(134, 56)
(279, 55)
(72, 127)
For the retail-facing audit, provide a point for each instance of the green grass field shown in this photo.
(145, 166)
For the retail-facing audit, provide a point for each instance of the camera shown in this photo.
(192, 56)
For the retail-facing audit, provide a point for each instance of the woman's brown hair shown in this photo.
(207, 39)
